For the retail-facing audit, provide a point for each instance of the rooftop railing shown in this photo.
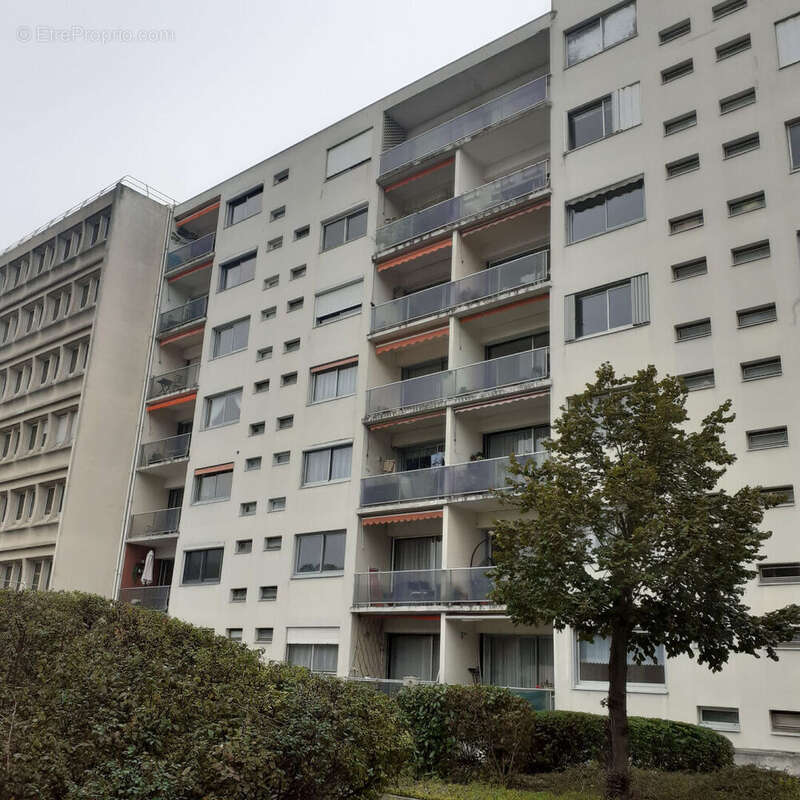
(163, 450)
(154, 523)
(525, 181)
(436, 483)
(423, 587)
(467, 124)
(175, 317)
(154, 597)
(497, 372)
(177, 380)
(527, 270)
(189, 252)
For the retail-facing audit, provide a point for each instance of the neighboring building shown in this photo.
(72, 353)
(355, 334)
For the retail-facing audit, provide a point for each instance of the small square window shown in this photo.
(292, 346)
(263, 353)
(686, 222)
(277, 213)
(277, 504)
(252, 464)
(238, 595)
(719, 719)
(721, 10)
(301, 233)
(294, 305)
(272, 281)
(273, 542)
(243, 546)
(261, 386)
(767, 438)
(264, 635)
(757, 315)
(247, 510)
(743, 205)
(693, 330)
(784, 494)
(733, 47)
(257, 428)
(275, 244)
(289, 379)
(280, 177)
(283, 423)
(281, 458)
(268, 313)
(297, 272)
(675, 31)
(736, 101)
(750, 252)
(677, 71)
(740, 146)
(683, 165)
(699, 380)
(689, 269)
(234, 633)
(763, 368)
(785, 721)
(268, 593)
(681, 123)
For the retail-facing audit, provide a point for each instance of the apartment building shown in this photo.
(72, 357)
(355, 334)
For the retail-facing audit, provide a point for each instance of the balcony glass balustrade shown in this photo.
(164, 450)
(154, 597)
(175, 317)
(154, 523)
(497, 372)
(525, 181)
(436, 483)
(467, 124)
(189, 252)
(527, 270)
(176, 380)
(428, 587)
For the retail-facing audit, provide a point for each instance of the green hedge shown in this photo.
(101, 700)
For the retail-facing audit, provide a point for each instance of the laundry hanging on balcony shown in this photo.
(147, 572)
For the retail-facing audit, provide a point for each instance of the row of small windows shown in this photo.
(29, 505)
(750, 371)
(61, 363)
(37, 435)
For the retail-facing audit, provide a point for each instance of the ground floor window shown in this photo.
(593, 664)
(316, 657)
(521, 662)
(413, 655)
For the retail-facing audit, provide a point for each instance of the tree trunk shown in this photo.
(618, 777)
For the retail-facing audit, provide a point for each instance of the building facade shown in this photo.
(72, 355)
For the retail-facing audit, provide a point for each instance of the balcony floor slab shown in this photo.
(427, 608)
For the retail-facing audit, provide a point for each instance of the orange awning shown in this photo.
(414, 254)
(408, 341)
(182, 335)
(196, 214)
(502, 401)
(405, 421)
(414, 516)
(331, 364)
(175, 277)
(498, 309)
(507, 217)
(174, 401)
(421, 173)
(215, 469)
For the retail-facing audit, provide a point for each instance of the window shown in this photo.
(283, 423)
(260, 387)
(202, 566)
(689, 269)
(334, 304)
(49, 499)
(757, 315)
(603, 310)
(271, 282)
(344, 229)
(785, 721)
(277, 504)
(291, 346)
(593, 664)
(235, 634)
(247, 510)
(601, 118)
(231, 338)
(750, 252)
(263, 353)
(683, 165)
(736, 101)
(289, 379)
(693, 330)
(785, 494)
(763, 368)
(297, 272)
(743, 205)
(681, 123)
(767, 438)
(349, 154)
(699, 380)
(605, 211)
(301, 233)
(277, 213)
(677, 71)
(244, 546)
(294, 305)
(793, 132)
(257, 428)
(523, 662)
(268, 313)
(517, 441)
(600, 33)
(338, 380)
(223, 409)
(238, 595)
(733, 47)
(213, 486)
(721, 10)
(275, 244)
(686, 222)
(281, 458)
(240, 270)
(675, 31)
(280, 177)
(316, 657)
(252, 464)
(738, 147)
(264, 635)
(779, 573)
(319, 552)
(245, 206)
(328, 464)
(268, 593)
(272, 542)
(787, 32)
(720, 719)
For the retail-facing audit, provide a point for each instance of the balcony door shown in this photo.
(418, 553)
(418, 456)
(519, 662)
(516, 441)
(413, 656)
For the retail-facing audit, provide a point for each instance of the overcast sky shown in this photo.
(228, 84)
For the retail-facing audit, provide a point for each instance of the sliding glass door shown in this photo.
(519, 662)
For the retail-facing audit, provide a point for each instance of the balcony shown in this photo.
(426, 587)
(443, 136)
(480, 200)
(153, 597)
(439, 483)
(184, 255)
(154, 523)
(176, 317)
(529, 270)
(389, 686)
(177, 380)
(438, 387)
(164, 451)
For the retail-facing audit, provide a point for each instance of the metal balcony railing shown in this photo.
(527, 270)
(427, 587)
(434, 483)
(497, 372)
(483, 198)
(164, 450)
(175, 317)
(467, 124)
(189, 252)
(154, 523)
(154, 597)
(177, 380)
(389, 686)
(538, 699)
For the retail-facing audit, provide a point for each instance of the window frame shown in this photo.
(631, 686)
(304, 483)
(778, 52)
(794, 159)
(637, 182)
(232, 263)
(764, 431)
(321, 572)
(207, 406)
(330, 175)
(600, 18)
(596, 291)
(232, 326)
(347, 217)
(201, 581)
(197, 488)
(242, 199)
(728, 727)
(336, 396)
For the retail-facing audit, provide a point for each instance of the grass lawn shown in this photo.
(438, 790)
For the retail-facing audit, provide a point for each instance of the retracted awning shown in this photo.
(408, 341)
(392, 519)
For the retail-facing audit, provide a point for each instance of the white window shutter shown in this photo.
(640, 299)
(626, 107)
(788, 35)
(569, 317)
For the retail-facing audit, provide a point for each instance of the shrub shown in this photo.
(564, 739)
(103, 700)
